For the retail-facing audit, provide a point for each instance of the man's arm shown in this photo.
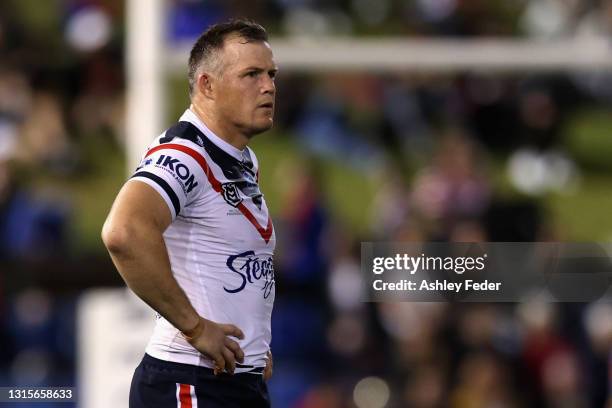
(133, 236)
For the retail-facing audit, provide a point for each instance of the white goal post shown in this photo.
(437, 55)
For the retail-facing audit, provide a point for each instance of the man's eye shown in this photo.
(252, 74)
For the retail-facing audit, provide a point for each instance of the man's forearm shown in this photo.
(144, 265)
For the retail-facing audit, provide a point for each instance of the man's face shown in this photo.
(244, 90)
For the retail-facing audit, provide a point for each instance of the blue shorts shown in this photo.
(164, 384)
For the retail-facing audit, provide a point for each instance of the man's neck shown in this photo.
(227, 133)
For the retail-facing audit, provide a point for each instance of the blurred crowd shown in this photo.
(459, 18)
(333, 350)
(431, 145)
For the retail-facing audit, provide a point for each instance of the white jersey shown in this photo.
(220, 242)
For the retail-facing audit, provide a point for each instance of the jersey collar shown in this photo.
(191, 117)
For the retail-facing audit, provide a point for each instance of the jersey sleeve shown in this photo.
(174, 174)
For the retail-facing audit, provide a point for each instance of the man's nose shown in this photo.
(268, 85)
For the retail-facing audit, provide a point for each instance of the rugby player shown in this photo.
(191, 235)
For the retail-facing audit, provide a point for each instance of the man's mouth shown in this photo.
(267, 105)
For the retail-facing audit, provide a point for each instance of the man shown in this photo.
(191, 235)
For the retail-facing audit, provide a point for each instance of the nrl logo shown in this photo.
(231, 194)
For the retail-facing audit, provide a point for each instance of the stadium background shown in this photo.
(354, 156)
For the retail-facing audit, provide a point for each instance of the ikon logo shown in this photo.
(179, 169)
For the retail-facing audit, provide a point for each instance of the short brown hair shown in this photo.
(213, 38)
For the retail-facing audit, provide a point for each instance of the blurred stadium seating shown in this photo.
(354, 156)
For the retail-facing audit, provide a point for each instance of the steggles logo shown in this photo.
(251, 269)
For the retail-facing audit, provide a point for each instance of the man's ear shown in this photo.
(205, 85)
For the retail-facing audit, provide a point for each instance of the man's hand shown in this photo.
(211, 339)
(267, 374)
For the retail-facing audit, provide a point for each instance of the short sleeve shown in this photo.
(174, 174)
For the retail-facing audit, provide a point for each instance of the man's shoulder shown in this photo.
(172, 152)
(180, 133)
(183, 131)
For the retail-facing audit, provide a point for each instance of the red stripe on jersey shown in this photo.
(265, 233)
(185, 396)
